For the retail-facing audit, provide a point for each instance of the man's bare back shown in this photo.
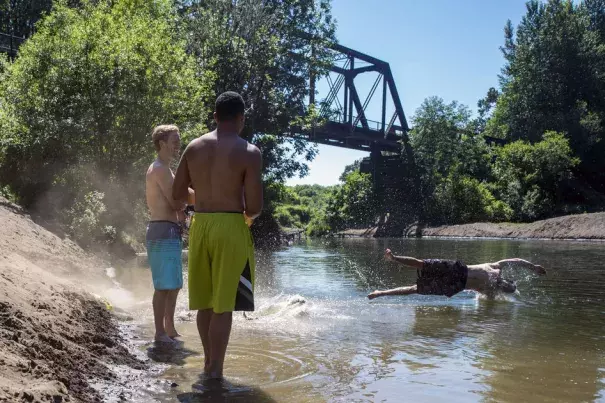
(487, 277)
(217, 170)
(483, 277)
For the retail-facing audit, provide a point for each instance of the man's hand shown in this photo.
(248, 220)
(191, 197)
(180, 214)
(388, 255)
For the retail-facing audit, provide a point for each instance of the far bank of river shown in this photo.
(580, 226)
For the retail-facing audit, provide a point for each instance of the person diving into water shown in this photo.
(449, 277)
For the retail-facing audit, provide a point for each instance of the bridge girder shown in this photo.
(345, 116)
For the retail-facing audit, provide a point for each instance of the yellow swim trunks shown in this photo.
(221, 263)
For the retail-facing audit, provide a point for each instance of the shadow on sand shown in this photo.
(221, 390)
(170, 353)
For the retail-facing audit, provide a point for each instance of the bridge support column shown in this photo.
(396, 195)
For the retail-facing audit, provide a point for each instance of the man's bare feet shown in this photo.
(173, 334)
(214, 375)
(163, 338)
(210, 374)
(374, 294)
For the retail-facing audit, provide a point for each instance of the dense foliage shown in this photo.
(554, 80)
(301, 205)
(321, 210)
(78, 104)
(256, 48)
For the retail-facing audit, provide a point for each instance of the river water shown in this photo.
(315, 336)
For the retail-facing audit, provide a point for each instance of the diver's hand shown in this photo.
(388, 255)
(539, 270)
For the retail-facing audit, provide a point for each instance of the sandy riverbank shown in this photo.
(580, 226)
(58, 341)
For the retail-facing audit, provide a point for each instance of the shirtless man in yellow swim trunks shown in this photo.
(225, 172)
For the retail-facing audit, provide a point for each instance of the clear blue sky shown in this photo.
(445, 48)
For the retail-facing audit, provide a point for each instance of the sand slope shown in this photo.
(56, 339)
(580, 226)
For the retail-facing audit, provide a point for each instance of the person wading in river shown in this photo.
(163, 238)
(225, 171)
(449, 277)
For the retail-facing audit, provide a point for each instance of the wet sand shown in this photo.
(58, 341)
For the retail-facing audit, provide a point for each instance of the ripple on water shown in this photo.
(253, 366)
(269, 366)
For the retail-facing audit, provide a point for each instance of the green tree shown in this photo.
(259, 48)
(462, 199)
(444, 139)
(352, 204)
(485, 108)
(82, 97)
(302, 206)
(318, 226)
(553, 80)
(527, 177)
(355, 166)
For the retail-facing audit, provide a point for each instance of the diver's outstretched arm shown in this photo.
(517, 263)
(404, 260)
(395, 291)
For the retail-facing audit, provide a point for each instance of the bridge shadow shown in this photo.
(221, 390)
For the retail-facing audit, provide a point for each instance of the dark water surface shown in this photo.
(316, 337)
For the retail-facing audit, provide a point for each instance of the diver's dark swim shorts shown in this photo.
(441, 277)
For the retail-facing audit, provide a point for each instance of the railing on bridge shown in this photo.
(10, 43)
(371, 124)
(345, 116)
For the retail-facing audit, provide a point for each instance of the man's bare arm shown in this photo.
(517, 263)
(191, 197)
(163, 177)
(404, 260)
(182, 180)
(253, 185)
